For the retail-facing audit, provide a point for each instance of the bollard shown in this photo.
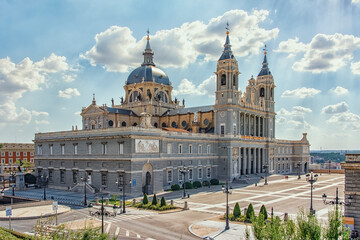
(107, 202)
(97, 200)
(286, 216)
(134, 201)
(186, 206)
(172, 202)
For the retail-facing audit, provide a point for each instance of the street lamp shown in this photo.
(329, 167)
(311, 178)
(227, 190)
(121, 182)
(298, 165)
(84, 179)
(266, 167)
(44, 181)
(183, 171)
(337, 201)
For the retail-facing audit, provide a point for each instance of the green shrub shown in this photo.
(145, 199)
(114, 198)
(237, 211)
(250, 214)
(29, 178)
(175, 187)
(264, 211)
(206, 183)
(154, 200)
(188, 185)
(214, 181)
(162, 202)
(197, 184)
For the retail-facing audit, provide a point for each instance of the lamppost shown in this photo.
(44, 181)
(337, 201)
(329, 167)
(298, 165)
(183, 171)
(227, 190)
(84, 179)
(311, 178)
(266, 167)
(121, 182)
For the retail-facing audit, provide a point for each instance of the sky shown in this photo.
(55, 54)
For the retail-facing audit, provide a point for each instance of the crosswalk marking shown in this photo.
(108, 228)
(123, 217)
(117, 231)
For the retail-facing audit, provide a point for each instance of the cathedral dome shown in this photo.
(148, 73)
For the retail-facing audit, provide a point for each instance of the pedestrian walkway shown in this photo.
(33, 212)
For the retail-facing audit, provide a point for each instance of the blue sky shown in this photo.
(55, 54)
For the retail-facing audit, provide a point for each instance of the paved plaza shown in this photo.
(284, 195)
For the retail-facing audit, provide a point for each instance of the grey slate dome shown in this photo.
(148, 73)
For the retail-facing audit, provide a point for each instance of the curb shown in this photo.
(34, 217)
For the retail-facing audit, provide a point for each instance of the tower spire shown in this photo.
(265, 68)
(227, 53)
(94, 101)
(148, 53)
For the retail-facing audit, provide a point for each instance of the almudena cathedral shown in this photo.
(146, 141)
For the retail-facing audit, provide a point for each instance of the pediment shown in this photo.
(92, 110)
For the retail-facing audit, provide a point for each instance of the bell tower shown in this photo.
(227, 76)
(226, 94)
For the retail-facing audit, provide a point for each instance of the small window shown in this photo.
(163, 125)
(184, 124)
(3, 160)
(199, 173)
(39, 150)
(50, 175)
(62, 146)
(51, 149)
(103, 179)
(123, 124)
(208, 172)
(120, 180)
(10, 161)
(223, 80)
(169, 148)
(200, 149)
(180, 148)
(180, 175)
(222, 130)
(169, 175)
(190, 148)
(173, 124)
(234, 80)
(18, 154)
(89, 146)
(75, 149)
(104, 148)
(208, 149)
(190, 174)
(75, 175)
(121, 148)
(262, 92)
(62, 176)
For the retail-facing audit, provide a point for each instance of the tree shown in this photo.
(264, 212)
(250, 214)
(237, 211)
(259, 227)
(307, 226)
(145, 199)
(336, 228)
(1, 145)
(154, 200)
(162, 202)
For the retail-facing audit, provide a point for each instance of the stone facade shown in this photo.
(352, 187)
(144, 142)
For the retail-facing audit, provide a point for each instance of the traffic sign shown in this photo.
(55, 206)
(8, 211)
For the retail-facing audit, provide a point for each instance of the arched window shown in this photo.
(123, 124)
(161, 97)
(135, 124)
(173, 124)
(262, 92)
(163, 124)
(223, 79)
(155, 125)
(135, 96)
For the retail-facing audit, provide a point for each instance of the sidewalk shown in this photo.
(210, 229)
(33, 212)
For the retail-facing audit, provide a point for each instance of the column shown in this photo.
(240, 161)
(259, 125)
(255, 159)
(249, 130)
(245, 160)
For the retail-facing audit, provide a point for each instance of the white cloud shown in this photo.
(117, 50)
(77, 113)
(339, 91)
(68, 77)
(294, 119)
(41, 122)
(36, 114)
(337, 108)
(355, 67)
(69, 93)
(25, 76)
(186, 87)
(325, 53)
(301, 92)
(346, 120)
(355, 1)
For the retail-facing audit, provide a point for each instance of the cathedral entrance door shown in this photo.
(147, 179)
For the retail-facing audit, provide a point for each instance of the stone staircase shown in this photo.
(79, 187)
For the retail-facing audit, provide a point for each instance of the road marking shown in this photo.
(127, 233)
(108, 228)
(117, 231)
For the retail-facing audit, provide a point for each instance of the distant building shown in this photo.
(150, 137)
(11, 152)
